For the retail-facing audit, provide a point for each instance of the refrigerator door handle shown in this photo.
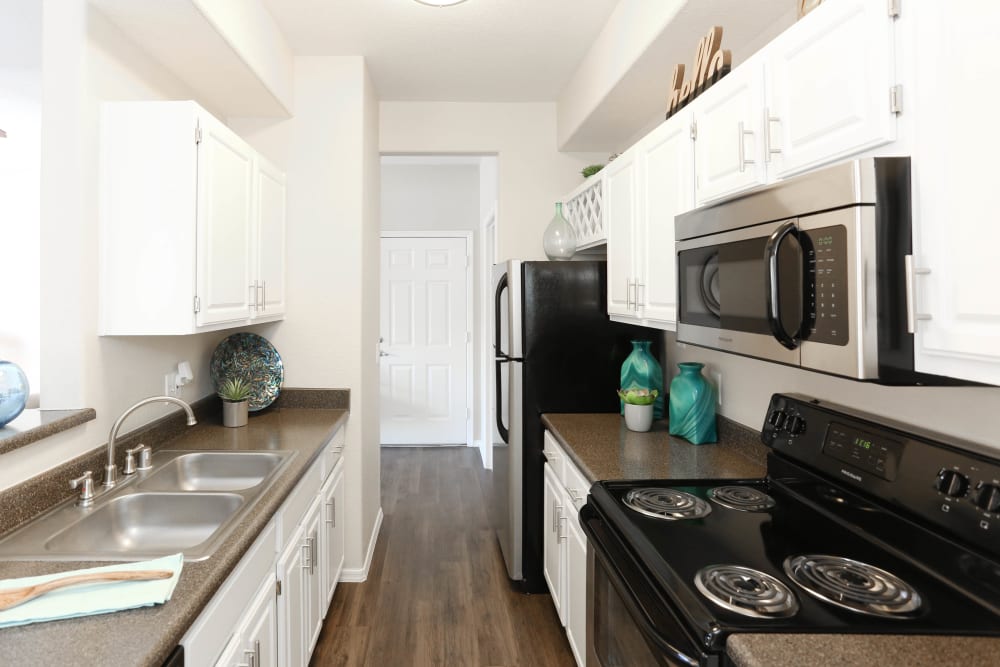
(497, 301)
(504, 433)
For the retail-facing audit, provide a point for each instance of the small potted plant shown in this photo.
(235, 395)
(638, 407)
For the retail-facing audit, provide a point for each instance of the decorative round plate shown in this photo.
(254, 359)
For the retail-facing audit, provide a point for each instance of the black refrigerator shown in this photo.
(556, 351)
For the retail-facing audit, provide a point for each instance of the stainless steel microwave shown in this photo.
(810, 272)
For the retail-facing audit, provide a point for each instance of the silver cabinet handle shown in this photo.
(252, 657)
(253, 296)
(556, 516)
(911, 307)
(628, 294)
(768, 150)
(307, 554)
(263, 297)
(256, 650)
(574, 495)
(742, 149)
(562, 534)
(331, 515)
(638, 299)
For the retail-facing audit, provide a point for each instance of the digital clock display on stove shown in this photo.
(870, 452)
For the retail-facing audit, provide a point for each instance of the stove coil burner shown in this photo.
(743, 498)
(746, 592)
(853, 585)
(667, 503)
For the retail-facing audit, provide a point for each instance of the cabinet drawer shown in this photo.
(576, 486)
(333, 452)
(291, 513)
(555, 456)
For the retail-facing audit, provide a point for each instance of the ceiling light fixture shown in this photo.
(439, 3)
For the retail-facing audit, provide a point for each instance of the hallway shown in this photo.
(437, 592)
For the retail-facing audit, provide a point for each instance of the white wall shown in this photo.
(330, 333)
(86, 60)
(747, 384)
(531, 173)
(20, 157)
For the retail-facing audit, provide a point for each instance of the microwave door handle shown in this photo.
(773, 280)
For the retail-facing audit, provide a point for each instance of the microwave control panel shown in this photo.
(827, 306)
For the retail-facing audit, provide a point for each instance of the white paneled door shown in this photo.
(424, 348)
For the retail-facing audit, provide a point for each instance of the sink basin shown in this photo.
(148, 522)
(213, 471)
(188, 502)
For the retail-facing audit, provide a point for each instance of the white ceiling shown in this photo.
(477, 51)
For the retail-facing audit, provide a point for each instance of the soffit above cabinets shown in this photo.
(232, 55)
(619, 91)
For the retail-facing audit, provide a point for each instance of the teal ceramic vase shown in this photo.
(641, 371)
(692, 405)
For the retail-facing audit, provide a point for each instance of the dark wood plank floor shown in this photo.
(437, 592)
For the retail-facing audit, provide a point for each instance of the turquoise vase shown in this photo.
(642, 371)
(692, 405)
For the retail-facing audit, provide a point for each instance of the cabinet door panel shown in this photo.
(292, 603)
(576, 588)
(552, 546)
(260, 635)
(728, 118)
(619, 200)
(665, 190)
(828, 85)
(270, 240)
(332, 530)
(225, 182)
(956, 234)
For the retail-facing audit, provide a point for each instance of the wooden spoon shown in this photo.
(12, 597)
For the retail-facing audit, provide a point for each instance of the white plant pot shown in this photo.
(234, 413)
(638, 417)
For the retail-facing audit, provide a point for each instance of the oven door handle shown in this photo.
(606, 548)
(773, 291)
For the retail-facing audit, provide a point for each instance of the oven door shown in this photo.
(629, 623)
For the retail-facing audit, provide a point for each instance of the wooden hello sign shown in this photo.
(711, 63)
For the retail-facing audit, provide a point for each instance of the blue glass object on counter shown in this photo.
(13, 391)
(692, 405)
(641, 371)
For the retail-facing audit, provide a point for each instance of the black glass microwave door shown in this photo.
(725, 286)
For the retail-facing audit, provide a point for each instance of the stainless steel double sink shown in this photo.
(189, 502)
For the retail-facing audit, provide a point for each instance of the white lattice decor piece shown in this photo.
(585, 212)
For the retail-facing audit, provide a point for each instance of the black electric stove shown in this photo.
(861, 526)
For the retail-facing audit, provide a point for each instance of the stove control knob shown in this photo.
(987, 497)
(952, 483)
(796, 425)
(776, 419)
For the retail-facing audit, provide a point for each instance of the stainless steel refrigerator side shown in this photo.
(508, 455)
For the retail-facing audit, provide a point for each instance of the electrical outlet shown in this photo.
(717, 381)
(170, 387)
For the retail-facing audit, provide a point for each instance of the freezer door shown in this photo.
(507, 477)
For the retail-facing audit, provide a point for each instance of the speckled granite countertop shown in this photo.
(603, 448)
(147, 636)
(851, 650)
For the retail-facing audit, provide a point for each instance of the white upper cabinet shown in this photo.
(224, 222)
(727, 129)
(620, 204)
(644, 189)
(269, 285)
(192, 223)
(829, 86)
(956, 234)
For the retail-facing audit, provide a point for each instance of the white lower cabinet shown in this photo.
(565, 546)
(253, 643)
(270, 609)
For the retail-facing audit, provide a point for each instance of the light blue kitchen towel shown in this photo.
(98, 598)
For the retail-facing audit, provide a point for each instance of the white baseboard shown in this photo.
(360, 574)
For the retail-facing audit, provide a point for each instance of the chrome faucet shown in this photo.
(111, 470)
